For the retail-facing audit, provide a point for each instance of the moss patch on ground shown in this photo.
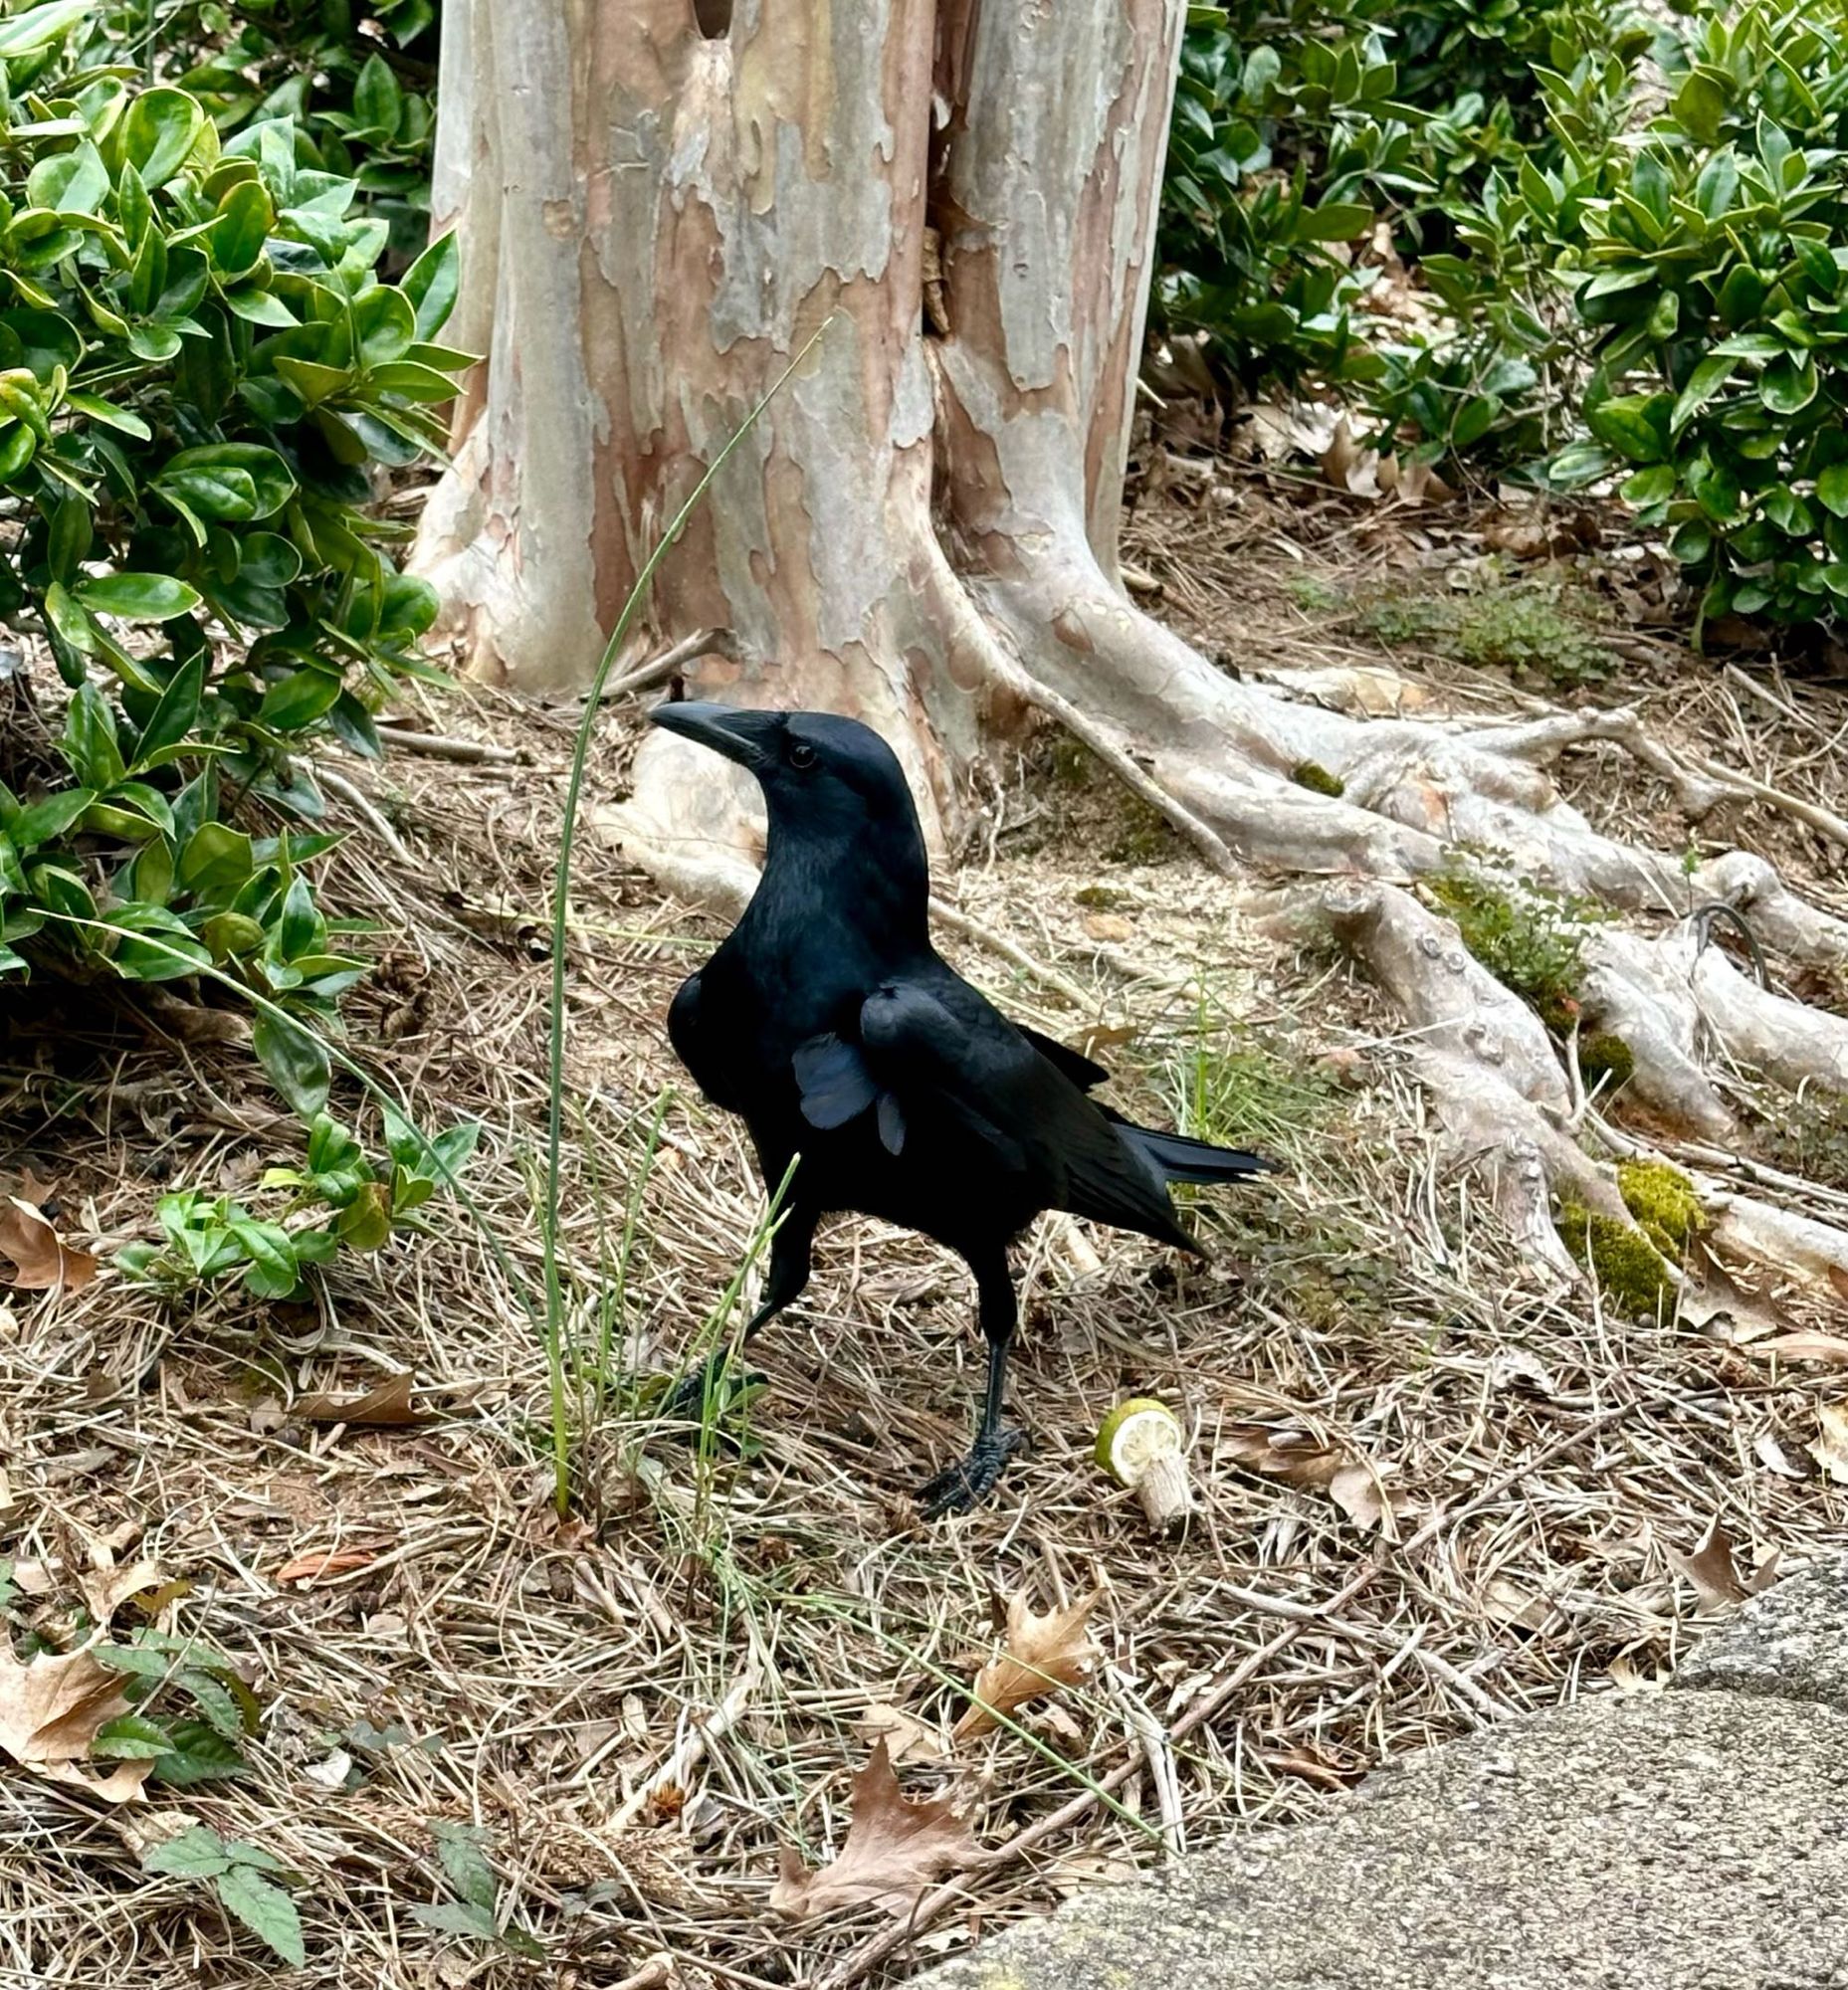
(1533, 627)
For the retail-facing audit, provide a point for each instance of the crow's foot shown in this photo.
(723, 1384)
(971, 1480)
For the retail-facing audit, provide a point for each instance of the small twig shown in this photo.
(1699, 780)
(676, 657)
(701, 1732)
(439, 746)
(983, 935)
(654, 1974)
(1824, 821)
(1160, 1757)
(367, 811)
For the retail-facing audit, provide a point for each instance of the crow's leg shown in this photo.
(971, 1478)
(788, 1279)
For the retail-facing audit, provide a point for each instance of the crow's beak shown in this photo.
(725, 729)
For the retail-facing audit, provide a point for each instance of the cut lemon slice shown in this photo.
(1134, 1434)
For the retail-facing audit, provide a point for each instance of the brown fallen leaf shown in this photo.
(1716, 1304)
(1506, 1602)
(317, 1567)
(1374, 1506)
(1347, 466)
(1786, 1460)
(41, 1263)
(1293, 1456)
(1041, 1655)
(106, 1590)
(894, 1847)
(906, 1738)
(50, 1712)
(1829, 1448)
(1713, 1574)
(389, 1407)
(1629, 1682)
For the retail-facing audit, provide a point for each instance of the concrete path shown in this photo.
(1689, 1840)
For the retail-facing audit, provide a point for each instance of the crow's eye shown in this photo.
(801, 755)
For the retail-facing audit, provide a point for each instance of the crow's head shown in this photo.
(816, 770)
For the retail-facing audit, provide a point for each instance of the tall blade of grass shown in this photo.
(561, 887)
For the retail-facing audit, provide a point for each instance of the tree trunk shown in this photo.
(661, 202)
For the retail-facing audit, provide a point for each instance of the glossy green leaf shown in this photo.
(48, 340)
(299, 699)
(1832, 488)
(297, 1063)
(431, 285)
(176, 711)
(137, 597)
(20, 34)
(161, 128)
(88, 744)
(69, 620)
(378, 100)
(47, 819)
(73, 182)
(242, 228)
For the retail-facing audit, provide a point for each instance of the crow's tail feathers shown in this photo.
(1185, 1160)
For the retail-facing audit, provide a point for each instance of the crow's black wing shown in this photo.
(945, 1056)
(1075, 1066)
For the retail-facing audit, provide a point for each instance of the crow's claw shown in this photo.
(686, 1404)
(971, 1480)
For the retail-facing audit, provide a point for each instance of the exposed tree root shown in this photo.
(1418, 796)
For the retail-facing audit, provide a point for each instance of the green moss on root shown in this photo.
(1317, 779)
(1605, 1059)
(1631, 1272)
(1663, 1201)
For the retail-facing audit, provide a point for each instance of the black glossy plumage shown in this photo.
(830, 1025)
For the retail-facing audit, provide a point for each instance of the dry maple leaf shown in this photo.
(1714, 1573)
(389, 1407)
(1042, 1654)
(41, 1263)
(49, 1713)
(894, 1847)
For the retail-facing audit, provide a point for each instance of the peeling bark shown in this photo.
(661, 201)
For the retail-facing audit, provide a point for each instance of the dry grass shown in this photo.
(1545, 1456)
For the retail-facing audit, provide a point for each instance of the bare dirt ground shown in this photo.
(1538, 1464)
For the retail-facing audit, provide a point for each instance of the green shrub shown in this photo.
(199, 373)
(1714, 278)
(1277, 133)
(361, 105)
(1301, 129)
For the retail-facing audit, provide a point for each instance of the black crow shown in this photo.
(830, 1025)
